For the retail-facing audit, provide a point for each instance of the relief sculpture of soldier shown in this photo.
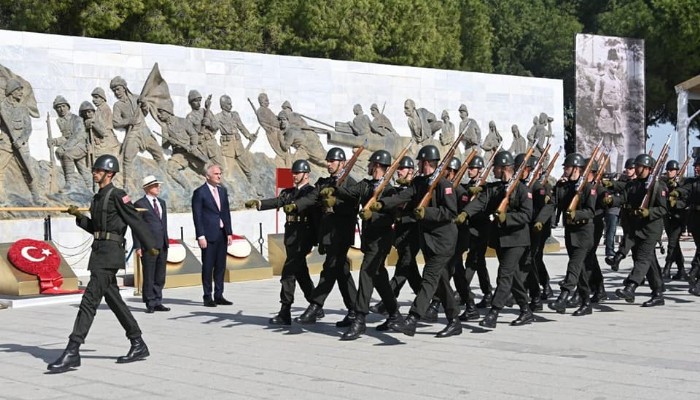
(381, 125)
(360, 125)
(447, 132)
(268, 120)
(231, 128)
(206, 125)
(306, 144)
(71, 147)
(472, 137)
(492, 142)
(181, 135)
(15, 128)
(101, 135)
(421, 122)
(518, 146)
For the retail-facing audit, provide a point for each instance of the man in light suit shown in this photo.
(156, 217)
(212, 225)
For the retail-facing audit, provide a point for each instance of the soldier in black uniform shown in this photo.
(616, 187)
(438, 240)
(111, 212)
(674, 224)
(299, 238)
(578, 231)
(510, 237)
(377, 237)
(690, 194)
(336, 235)
(643, 229)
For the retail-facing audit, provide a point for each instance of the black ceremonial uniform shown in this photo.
(479, 227)
(459, 273)
(407, 243)
(674, 224)
(111, 212)
(299, 238)
(595, 280)
(690, 192)
(543, 209)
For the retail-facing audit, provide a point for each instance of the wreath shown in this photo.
(39, 258)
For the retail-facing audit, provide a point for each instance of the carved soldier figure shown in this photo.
(360, 125)
(518, 146)
(103, 114)
(268, 120)
(206, 125)
(231, 128)
(71, 147)
(472, 138)
(294, 118)
(303, 142)
(15, 128)
(447, 132)
(421, 122)
(101, 135)
(492, 142)
(531, 134)
(381, 125)
(183, 138)
(128, 114)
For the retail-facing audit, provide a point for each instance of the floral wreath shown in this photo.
(39, 258)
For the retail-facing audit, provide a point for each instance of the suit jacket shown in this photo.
(206, 214)
(157, 226)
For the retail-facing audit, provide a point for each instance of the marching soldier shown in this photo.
(690, 193)
(616, 187)
(674, 224)
(595, 281)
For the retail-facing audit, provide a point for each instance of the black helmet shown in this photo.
(381, 157)
(594, 166)
(476, 162)
(644, 160)
(503, 159)
(301, 166)
(428, 153)
(672, 165)
(335, 154)
(106, 162)
(629, 163)
(574, 160)
(406, 162)
(519, 160)
(454, 164)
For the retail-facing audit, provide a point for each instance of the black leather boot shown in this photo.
(627, 293)
(536, 304)
(406, 326)
(310, 314)
(666, 272)
(657, 299)
(526, 317)
(681, 275)
(695, 289)
(574, 301)
(347, 321)
(692, 276)
(453, 328)
(137, 351)
(547, 292)
(485, 301)
(490, 319)
(68, 360)
(471, 313)
(600, 295)
(614, 262)
(585, 309)
(284, 317)
(357, 328)
(432, 314)
(378, 308)
(384, 326)
(559, 305)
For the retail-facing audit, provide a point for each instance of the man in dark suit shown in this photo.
(156, 217)
(212, 225)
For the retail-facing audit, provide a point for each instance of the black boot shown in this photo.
(666, 273)
(627, 293)
(536, 304)
(357, 328)
(384, 326)
(453, 328)
(347, 321)
(432, 314)
(559, 305)
(471, 313)
(490, 319)
(284, 317)
(526, 317)
(137, 351)
(695, 289)
(657, 299)
(614, 261)
(406, 326)
(585, 308)
(574, 301)
(547, 292)
(378, 308)
(309, 316)
(68, 360)
(485, 301)
(691, 276)
(681, 275)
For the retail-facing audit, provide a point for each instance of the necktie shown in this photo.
(156, 208)
(218, 204)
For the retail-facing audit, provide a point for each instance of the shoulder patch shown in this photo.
(663, 193)
(529, 195)
(542, 191)
(448, 190)
(594, 192)
(465, 198)
(126, 199)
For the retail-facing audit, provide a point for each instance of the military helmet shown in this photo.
(521, 157)
(85, 106)
(12, 85)
(60, 100)
(98, 91)
(476, 162)
(335, 154)
(594, 166)
(283, 115)
(672, 165)
(286, 104)
(381, 157)
(428, 153)
(629, 163)
(454, 164)
(503, 159)
(193, 95)
(301, 166)
(106, 162)
(406, 162)
(574, 160)
(374, 107)
(462, 107)
(117, 81)
(644, 160)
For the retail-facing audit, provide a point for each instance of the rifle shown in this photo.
(582, 179)
(345, 171)
(540, 163)
(550, 167)
(654, 175)
(197, 152)
(681, 172)
(463, 169)
(387, 177)
(440, 171)
(90, 159)
(487, 170)
(52, 158)
(603, 165)
(513, 182)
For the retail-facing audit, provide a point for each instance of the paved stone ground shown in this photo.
(622, 351)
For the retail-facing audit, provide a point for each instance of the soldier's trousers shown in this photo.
(595, 279)
(407, 247)
(576, 275)
(457, 269)
(537, 275)
(373, 274)
(336, 268)
(674, 229)
(436, 281)
(644, 257)
(295, 269)
(476, 263)
(103, 283)
(695, 231)
(512, 270)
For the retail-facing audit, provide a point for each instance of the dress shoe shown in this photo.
(547, 292)
(223, 302)
(559, 305)
(209, 303)
(657, 299)
(694, 290)
(347, 321)
(536, 305)
(681, 275)
(490, 319)
(471, 313)
(284, 317)
(309, 315)
(691, 276)
(384, 326)
(406, 326)
(320, 314)
(485, 301)
(161, 308)
(599, 296)
(666, 272)
(526, 317)
(585, 309)
(150, 310)
(357, 328)
(378, 308)
(432, 314)
(68, 360)
(574, 301)
(627, 293)
(137, 351)
(453, 328)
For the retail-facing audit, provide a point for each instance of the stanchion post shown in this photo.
(260, 239)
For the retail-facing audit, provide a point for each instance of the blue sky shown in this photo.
(658, 135)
